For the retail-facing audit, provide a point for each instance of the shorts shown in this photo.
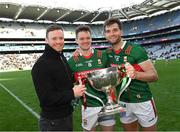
(90, 118)
(144, 113)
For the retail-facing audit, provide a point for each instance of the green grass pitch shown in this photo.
(13, 116)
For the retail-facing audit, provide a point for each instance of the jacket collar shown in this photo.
(50, 52)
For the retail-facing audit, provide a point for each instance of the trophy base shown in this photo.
(111, 110)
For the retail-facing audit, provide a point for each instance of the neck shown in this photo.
(118, 45)
(86, 52)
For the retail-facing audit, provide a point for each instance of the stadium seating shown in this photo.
(158, 34)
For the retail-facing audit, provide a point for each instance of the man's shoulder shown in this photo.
(41, 62)
(100, 53)
(109, 50)
(73, 59)
(134, 47)
(133, 44)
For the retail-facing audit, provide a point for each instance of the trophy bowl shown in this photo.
(106, 80)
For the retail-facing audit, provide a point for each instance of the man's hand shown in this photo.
(130, 71)
(79, 90)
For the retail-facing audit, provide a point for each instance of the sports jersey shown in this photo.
(81, 65)
(137, 91)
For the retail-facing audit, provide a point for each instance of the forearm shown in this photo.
(150, 76)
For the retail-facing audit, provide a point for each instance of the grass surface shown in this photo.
(13, 116)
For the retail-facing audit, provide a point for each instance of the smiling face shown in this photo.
(113, 33)
(55, 39)
(84, 40)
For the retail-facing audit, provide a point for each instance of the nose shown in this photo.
(86, 41)
(111, 34)
(59, 41)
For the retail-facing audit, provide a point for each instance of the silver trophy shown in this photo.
(106, 80)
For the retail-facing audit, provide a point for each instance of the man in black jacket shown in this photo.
(53, 84)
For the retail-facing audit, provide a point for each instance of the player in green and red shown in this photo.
(137, 97)
(85, 61)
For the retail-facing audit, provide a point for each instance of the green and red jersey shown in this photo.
(138, 91)
(81, 65)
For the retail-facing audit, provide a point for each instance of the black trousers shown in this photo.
(62, 124)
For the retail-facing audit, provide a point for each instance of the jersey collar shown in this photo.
(88, 56)
(119, 50)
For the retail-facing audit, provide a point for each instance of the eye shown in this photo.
(81, 39)
(54, 38)
(107, 31)
(115, 30)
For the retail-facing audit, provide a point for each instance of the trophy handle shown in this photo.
(123, 88)
(81, 82)
(95, 98)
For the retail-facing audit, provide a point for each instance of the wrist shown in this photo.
(135, 75)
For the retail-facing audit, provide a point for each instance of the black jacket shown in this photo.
(52, 80)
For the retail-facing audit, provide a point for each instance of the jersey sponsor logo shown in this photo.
(110, 56)
(79, 65)
(114, 65)
(89, 61)
(89, 64)
(117, 58)
(83, 74)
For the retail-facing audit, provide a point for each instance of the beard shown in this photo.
(117, 41)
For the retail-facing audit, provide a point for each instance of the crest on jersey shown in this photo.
(99, 61)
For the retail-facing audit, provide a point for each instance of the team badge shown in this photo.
(85, 122)
(99, 61)
(125, 59)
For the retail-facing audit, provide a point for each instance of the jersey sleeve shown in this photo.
(140, 54)
(71, 64)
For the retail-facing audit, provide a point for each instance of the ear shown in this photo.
(103, 32)
(46, 40)
(121, 32)
(75, 40)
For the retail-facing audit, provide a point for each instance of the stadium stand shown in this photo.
(21, 43)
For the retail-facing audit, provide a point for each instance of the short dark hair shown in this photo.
(52, 28)
(82, 28)
(111, 21)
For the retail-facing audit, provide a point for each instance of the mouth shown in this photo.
(112, 39)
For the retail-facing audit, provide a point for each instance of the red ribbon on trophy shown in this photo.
(112, 95)
(82, 81)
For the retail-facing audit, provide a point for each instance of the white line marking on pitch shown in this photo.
(21, 102)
